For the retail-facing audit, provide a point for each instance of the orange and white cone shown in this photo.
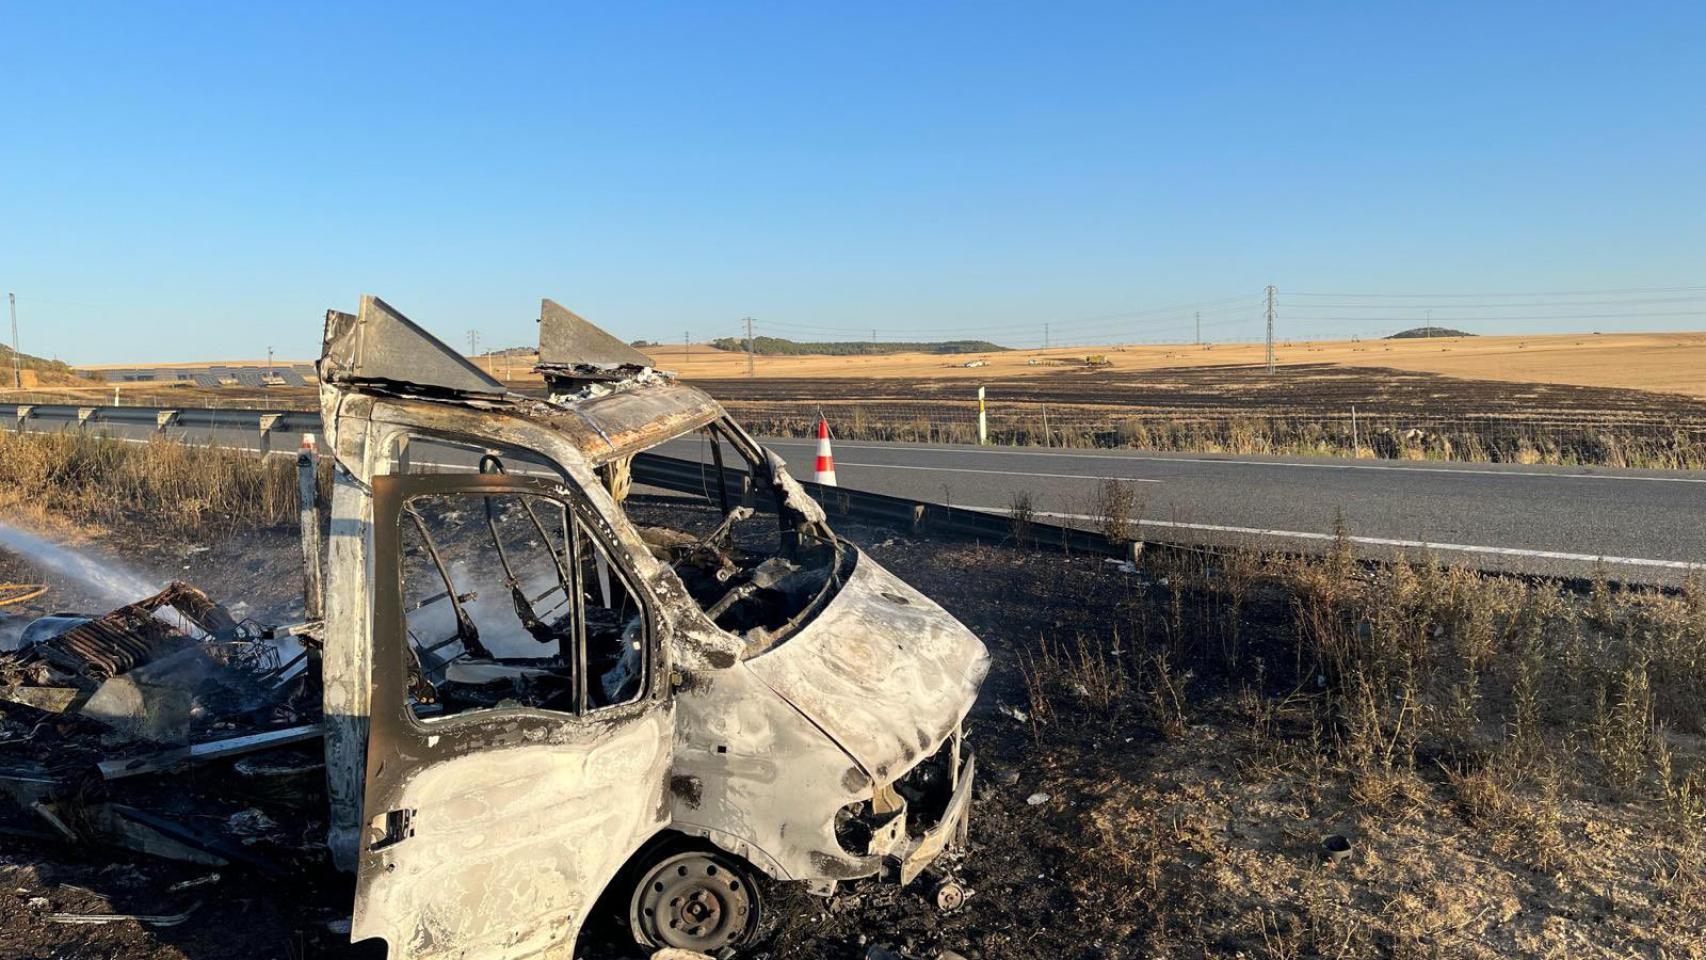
(825, 474)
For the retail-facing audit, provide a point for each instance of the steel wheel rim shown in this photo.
(696, 901)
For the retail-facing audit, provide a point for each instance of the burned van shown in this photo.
(534, 702)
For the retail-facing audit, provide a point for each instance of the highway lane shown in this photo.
(1643, 525)
(1649, 526)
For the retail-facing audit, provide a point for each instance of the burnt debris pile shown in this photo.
(165, 727)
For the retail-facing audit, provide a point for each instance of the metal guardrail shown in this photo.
(254, 430)
(918, 516)
(266, 431)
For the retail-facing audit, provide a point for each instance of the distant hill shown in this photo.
(776, 346)
(32, 363)
(1420, 333)
(45, 372)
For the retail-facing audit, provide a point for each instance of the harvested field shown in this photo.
(1230, 390)
(1304, 409)
(1299, 410)
(1517, 768)
(1658, 362)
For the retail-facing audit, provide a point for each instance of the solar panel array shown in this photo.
(246, 375)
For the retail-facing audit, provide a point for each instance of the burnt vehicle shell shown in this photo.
(826, 749)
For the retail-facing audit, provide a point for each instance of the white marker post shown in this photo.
(982, 420)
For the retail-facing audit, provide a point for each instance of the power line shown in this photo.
(1505, 306)
(1246, 310)
(1563, 293)
(1208, 306)
(1564, 316)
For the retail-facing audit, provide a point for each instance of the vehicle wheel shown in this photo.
(699, 900)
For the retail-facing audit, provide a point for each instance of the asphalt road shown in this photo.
(1643, 525)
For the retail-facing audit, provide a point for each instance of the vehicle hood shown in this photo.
(882, 670)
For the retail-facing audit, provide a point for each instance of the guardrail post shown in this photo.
(268, 421)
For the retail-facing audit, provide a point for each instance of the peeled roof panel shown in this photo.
(381, 345)
(566, 339)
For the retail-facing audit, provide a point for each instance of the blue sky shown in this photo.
(185, 181)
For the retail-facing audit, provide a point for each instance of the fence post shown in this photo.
(982, 420)
(308, 520)
(1356, 448)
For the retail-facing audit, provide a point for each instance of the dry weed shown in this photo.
(179, 488)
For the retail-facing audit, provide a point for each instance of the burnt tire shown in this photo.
(702, 900)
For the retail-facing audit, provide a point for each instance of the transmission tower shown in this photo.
(1270, 328)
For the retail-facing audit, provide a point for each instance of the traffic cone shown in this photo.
(825, 475)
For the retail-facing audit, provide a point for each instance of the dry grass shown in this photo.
(1521, 766)
(180, 489)
(1115, 506)
(1021, 515)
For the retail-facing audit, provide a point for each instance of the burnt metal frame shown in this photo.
(391, 494)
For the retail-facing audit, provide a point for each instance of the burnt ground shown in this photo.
(1293, 390)
(1107, 830)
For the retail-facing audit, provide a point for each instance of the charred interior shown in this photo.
(512, 601)
(764, 568)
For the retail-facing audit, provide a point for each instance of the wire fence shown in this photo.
(1618, 440)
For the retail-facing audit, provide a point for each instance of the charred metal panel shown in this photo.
(506, 847)
(568, 342)
(769, 780)
(883, 670)
(381, 346)
(622, 423)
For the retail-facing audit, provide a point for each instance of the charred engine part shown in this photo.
(929, 786)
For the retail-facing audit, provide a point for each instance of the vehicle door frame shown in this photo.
(401, 746)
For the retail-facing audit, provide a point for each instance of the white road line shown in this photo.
(1004, 473)
(1444, 470)
(1382, 541)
